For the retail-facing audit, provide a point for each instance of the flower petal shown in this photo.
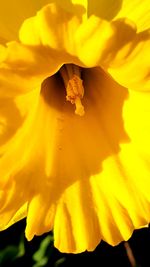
(136, 110)
(72, 33)
(126, 57)
(53, 27)
(3, 53)
(15, 118)
(13, 218)
(19, 117)
(134, 71)
(23, 68)
(13, 13)
(95, 35)
(137, 11)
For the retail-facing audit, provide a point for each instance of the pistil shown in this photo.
(71, 75)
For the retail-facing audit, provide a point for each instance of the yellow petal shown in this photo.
(126, 57)
(53, 27)
(134, 71)
(16, 115)
(23, 68)
(137, 11)
(92, 39)
(12, 15)
(13, 204)
(3, 53)
(20, 119)
(137, 109)
(72, 33)
(44, 221)
(19, 215)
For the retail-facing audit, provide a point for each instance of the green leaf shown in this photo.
(12, 252)
(8, 254)
(40, 255)
(59, 262)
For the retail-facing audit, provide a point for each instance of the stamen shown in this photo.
(71, 75)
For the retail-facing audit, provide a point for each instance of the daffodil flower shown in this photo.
(74, 119)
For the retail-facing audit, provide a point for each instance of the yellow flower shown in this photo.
(74, 119)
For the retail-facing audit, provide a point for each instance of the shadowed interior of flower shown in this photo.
(71, 135)
(87, 132)
(90, 90)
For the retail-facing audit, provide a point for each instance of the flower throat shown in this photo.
(71, 75)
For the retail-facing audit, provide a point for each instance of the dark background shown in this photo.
(16, 251)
